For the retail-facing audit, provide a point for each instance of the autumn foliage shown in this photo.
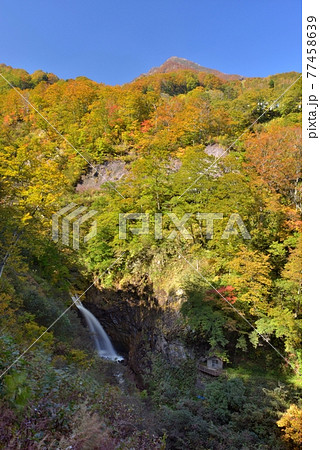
(183, 142)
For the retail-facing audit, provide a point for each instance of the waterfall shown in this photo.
(103, 344)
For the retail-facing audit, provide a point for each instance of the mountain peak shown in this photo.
(175, 63)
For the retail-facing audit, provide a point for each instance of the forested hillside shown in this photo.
(185, 142)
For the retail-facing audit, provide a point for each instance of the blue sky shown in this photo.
(115, 41)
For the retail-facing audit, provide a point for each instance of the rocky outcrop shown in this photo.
(130, 317)
(114, 171)
(215, 150)
(139, 324)
(175, 351)
(124, 313)
(110, 171)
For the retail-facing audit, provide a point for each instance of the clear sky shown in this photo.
(114, 41)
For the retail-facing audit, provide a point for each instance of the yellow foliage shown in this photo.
(250, 276)
(291, 422)
(32, 332)
(79, 357)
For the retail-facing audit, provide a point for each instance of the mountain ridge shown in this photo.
(175, 63)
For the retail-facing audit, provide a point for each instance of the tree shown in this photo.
(250, 276)
(275, 154)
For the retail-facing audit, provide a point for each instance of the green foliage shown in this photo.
(46, 310)
(184, 427)
(204, 319)
(167, 382)
(16, 389)
(225, 397)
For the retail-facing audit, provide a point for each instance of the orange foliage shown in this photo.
(276, 156)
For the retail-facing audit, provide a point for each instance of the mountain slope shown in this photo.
(174, 63)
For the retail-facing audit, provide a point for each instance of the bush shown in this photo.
(224, 397)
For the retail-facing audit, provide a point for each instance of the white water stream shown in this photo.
(102, 341)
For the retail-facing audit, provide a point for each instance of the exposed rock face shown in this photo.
(174, 351)
(110, 171)
(113, 171)
(124, 313)
(130, 318)
(174, 165)
(174, 63)
(215, 150)
(135, 322)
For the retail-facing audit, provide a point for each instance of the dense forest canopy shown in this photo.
(56, 133)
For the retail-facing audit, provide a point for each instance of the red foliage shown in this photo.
(226, 292)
